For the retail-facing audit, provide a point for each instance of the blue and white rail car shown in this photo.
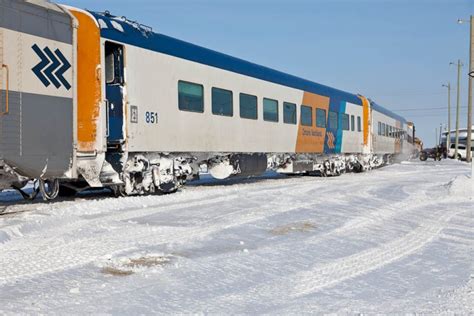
(389, 132)
(151, 110)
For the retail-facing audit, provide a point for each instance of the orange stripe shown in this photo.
(365, 114)
(88, 81)
(310, 139)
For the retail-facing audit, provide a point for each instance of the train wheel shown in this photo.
(49, 189)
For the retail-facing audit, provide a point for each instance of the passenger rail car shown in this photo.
(90, 99)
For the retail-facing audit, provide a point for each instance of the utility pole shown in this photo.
(458, 99)
(436, 137)
(469, 99)
(440, 133)
(448, 137)
(469, 102)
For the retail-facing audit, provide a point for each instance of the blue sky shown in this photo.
(396, 52)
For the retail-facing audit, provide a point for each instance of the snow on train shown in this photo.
(89, 99)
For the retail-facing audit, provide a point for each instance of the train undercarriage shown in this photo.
(156, 173)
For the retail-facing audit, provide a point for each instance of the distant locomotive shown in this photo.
(89, 99)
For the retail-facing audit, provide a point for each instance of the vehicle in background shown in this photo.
(462, 136)
(436, 153)
(461, 151)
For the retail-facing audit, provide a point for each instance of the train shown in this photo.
(93, 100)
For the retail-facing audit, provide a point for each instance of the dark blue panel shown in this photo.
(115, 98)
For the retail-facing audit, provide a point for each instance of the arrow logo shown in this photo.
(330, 140)
(51, 68)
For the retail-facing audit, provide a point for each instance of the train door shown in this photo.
(115, 81)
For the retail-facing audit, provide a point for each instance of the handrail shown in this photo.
(107, 118)
(6, 91)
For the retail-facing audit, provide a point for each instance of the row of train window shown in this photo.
(390, 131)
(191, 98)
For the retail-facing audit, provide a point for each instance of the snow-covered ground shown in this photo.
(398, 239)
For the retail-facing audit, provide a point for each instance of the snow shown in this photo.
(393, 240)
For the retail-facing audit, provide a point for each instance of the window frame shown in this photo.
(335, 114)
(231, 102)
(310, 116)
(345, 117)
(285, 121)
(277, 110)
(202, 98)
(319, 110)
(352, 123)
(359, 123)
(241, 94)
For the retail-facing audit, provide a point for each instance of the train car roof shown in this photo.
(389, 113)
(122, 30)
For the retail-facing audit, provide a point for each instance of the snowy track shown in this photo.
(398, 239)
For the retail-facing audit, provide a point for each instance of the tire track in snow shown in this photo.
(80, 252)
(36, 260)
(327, 275)
(39, 257)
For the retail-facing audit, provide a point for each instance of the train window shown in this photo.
(345, 122)
(222, 102)
(306, 115)
(289, 113)
(190, 97)
(270, 110)
(383, 130)
(380, 129)
(113, 63)
(386, 130)
(248, 106)
(359, 124)
(320, 118)
(109, 68)
(332, 120)
(352, 123)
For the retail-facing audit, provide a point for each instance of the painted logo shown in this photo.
(331, 140)
(51, 68)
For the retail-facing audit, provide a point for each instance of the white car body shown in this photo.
(461, 151)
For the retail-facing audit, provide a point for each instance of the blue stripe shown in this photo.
(389, 113)
(174, 47)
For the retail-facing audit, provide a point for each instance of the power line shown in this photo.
(424, 109)
(409, 94)
(428, 115)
